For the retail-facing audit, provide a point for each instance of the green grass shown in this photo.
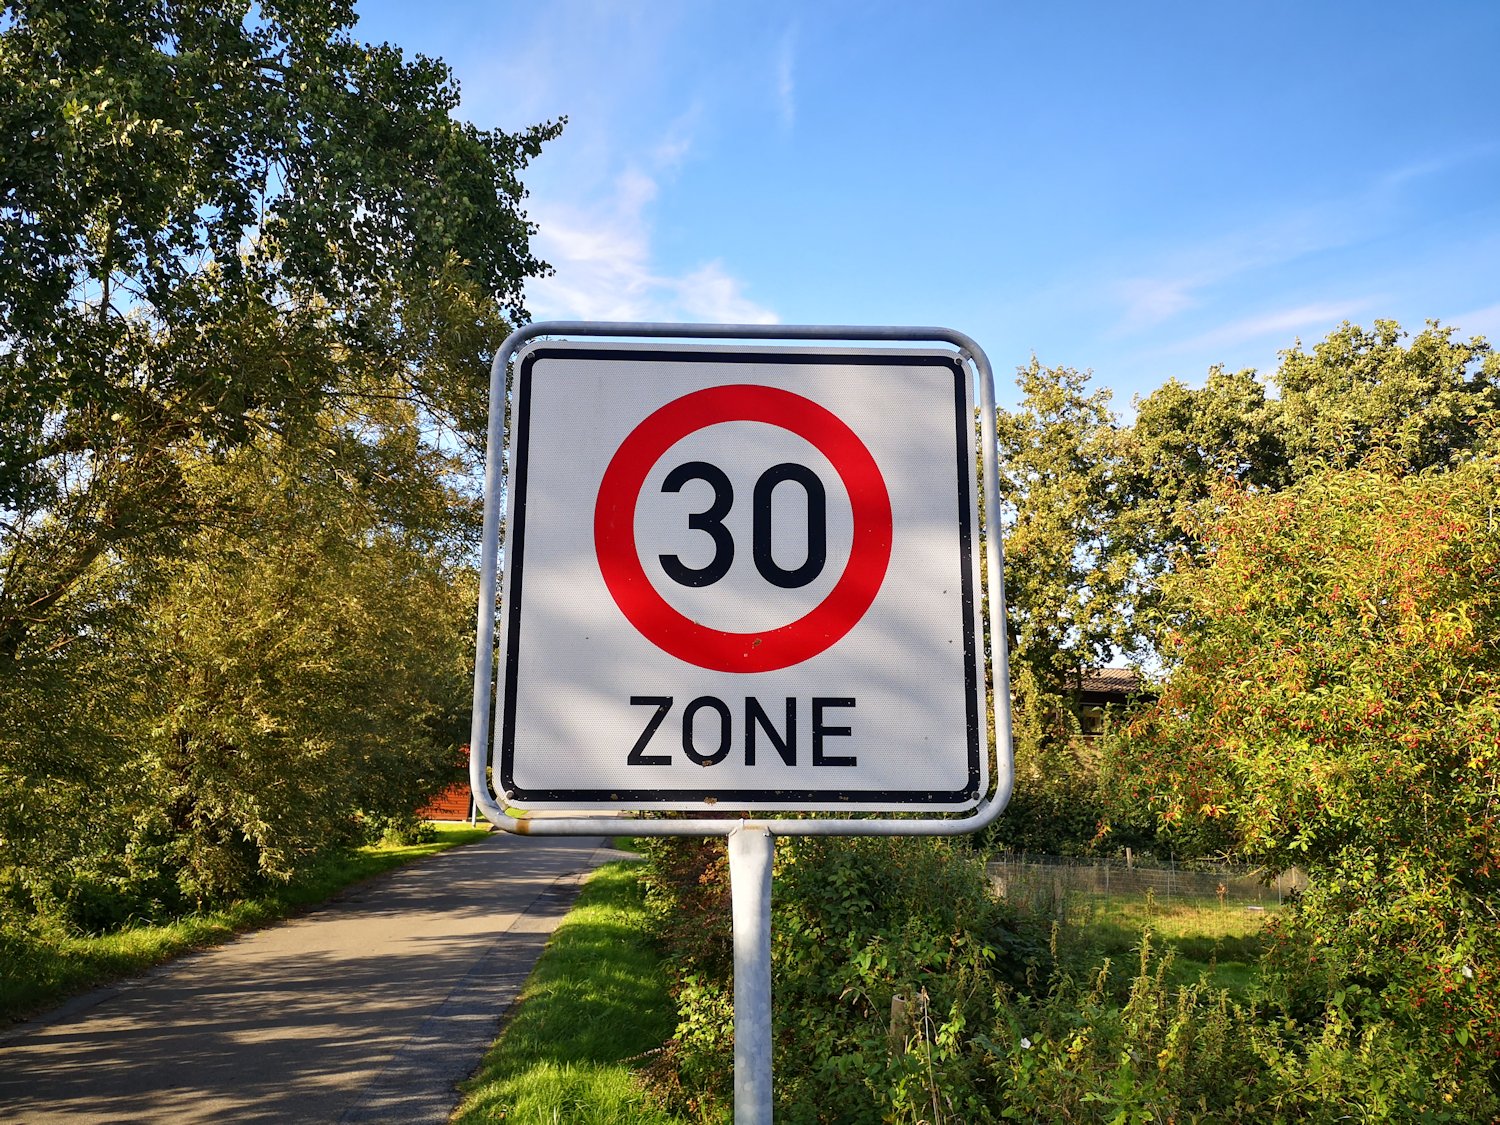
(37, 973)
(1220, 941)
(596, 1001)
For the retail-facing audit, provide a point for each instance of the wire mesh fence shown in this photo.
(1057, 877)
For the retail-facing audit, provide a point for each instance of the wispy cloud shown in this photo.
(1151, 301)
(1188, 276)
(604, 269)
(1479, 322)
(785, 77)
(1197, 275)
(711, 294)
(1280, 324)
(1398, 178)
(612, 67)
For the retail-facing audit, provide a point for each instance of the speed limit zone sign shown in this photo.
(744, 577)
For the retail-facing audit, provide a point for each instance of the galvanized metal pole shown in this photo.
(751, 850)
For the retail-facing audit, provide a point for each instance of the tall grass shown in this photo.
(1210, 939)
(40, 969)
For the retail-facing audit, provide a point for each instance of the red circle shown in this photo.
(822, 626)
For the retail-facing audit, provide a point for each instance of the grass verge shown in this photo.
(1221, 942)
(39, 973)
(596, 1000)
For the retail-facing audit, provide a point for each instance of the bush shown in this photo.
(1335, 705)
(94, 903)
(687, 892)
(405, 829)
(880, 944)
(861, 928)
(1193, 1054)
(904, 992)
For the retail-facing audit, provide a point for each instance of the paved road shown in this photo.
(367, 1010)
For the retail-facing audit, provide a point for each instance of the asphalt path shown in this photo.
(370, 1009)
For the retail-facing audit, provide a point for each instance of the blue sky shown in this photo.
(1141, 189)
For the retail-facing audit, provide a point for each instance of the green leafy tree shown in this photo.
(1186, 440)
(1334, 704)
(1072, 581)
(312, 672)
(1070, 573)
(214, 222)
(1427, 401)
(252, 269)
(298, 674)
(1431, 401)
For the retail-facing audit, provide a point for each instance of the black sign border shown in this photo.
(784, 800)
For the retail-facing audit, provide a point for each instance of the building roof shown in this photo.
(1111, 681)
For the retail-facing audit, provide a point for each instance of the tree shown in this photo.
(216, 222)
(1072, 580)
(1431, 403)
(1185, 441)
(311, 674)
(1334, 704)
(1070, 572)
(297, 672)
(252, 270)
(1426, 404)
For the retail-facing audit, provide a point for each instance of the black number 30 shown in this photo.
(711, 520)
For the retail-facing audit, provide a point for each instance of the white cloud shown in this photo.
(1479, 322)
(612, 66)
(785, 77)
(667, 156)
(713, 295)
(1319, 318)
(1198, 273)
(1151, 301)
(1397, 178)
(1189, 274)
(604, 268)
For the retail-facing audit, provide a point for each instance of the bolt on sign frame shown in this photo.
(750, 838)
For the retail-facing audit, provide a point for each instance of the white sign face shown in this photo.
(743, 578)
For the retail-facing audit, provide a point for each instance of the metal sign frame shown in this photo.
(893, 628)
(990, 804)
